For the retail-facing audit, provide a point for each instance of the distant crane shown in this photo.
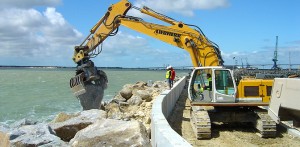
(275, 56)
(247, 64)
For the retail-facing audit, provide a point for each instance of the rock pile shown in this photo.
(134, 102)
(86, 128)
(124, 121)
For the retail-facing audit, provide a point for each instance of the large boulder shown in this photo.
(110, 132)
(135, 100)
(144, 95)
(30, 135)
(66, 126)
(126, 92)
(5, 131)
(140, 85)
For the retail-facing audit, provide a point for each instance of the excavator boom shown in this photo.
(201, 50)
(89, 82)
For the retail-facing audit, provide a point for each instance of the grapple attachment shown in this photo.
(89, 90)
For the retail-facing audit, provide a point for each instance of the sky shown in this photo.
(44, 32)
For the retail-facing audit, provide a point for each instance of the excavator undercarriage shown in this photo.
(202, 118)
(227, 103)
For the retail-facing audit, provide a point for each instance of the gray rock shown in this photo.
(109, 132)
(34, 135)
(114, 111)
(155, 85)
(135, 100)
(126, 92)
(23, 122)
(67, 129)
(118, 98)
(140, 85)
(144, 95)
(15, 134)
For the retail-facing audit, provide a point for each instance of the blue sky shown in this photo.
(44, 32)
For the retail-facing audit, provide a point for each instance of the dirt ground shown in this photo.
(225, 135)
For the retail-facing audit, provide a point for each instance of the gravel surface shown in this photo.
(224, 135)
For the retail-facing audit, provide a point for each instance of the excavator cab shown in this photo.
(212, 84)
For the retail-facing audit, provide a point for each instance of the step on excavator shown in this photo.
(213, 99)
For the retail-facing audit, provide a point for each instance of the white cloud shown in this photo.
(29, 33)
(183, 7)
(54, 17)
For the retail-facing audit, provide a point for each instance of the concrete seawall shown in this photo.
(161, 132)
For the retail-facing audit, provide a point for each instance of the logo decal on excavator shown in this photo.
(167, 33)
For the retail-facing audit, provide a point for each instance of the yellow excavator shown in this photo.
(230, 103)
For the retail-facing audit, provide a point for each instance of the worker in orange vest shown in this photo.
(173, 74)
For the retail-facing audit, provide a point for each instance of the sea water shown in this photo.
(39, 94)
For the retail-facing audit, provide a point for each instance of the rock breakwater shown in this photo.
(124, 121)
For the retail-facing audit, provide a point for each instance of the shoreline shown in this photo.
(67, 67)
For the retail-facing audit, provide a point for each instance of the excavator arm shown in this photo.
(89, 83)
(203, 52)
(104, 27)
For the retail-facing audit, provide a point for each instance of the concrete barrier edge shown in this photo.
(161, 132)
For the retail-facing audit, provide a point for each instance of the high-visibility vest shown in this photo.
(209, 79)
(201, 89)
(168, 74)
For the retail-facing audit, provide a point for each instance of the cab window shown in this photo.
(224, 82)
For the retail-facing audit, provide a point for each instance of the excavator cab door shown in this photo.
(198, 81)
(212, 84)
(224, 86)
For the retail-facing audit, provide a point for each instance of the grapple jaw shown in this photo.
(77, 85)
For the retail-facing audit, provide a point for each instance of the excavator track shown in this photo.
(200, 122)
(265, 125)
